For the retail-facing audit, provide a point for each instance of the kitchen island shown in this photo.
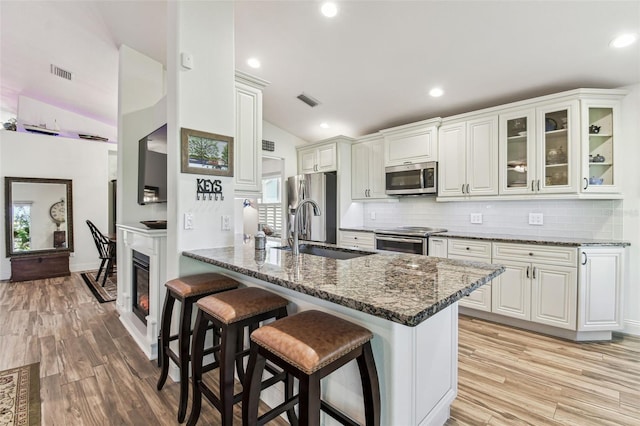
(407, 301)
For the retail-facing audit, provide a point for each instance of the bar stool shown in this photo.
(311, 345)
(187, 290)
(230, 312)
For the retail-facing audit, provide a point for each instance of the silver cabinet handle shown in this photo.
(534, 272)
(527, 272)
(586, 183)
(467, 188)
(584, 262)
(462, 189)
(532, 189)
(538, 185)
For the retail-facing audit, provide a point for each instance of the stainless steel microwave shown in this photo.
(412, 179)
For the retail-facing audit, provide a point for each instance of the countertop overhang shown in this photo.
(403, 288)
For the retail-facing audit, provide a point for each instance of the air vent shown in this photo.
(268, 145)
(60, 72)
(308, 100)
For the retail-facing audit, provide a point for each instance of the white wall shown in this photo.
(86, 163)
(285, 146)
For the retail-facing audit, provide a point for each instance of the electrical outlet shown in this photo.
(188, 221)
(535, 219)
(476, 218)
(372, 215)
(226, 223)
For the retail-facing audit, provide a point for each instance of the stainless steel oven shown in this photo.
(405, 239)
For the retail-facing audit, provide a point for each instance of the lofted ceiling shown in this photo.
(370, 67)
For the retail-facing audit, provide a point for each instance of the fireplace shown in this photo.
(140, 285)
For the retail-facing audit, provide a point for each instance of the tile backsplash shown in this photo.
(597, 219)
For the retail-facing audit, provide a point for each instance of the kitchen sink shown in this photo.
(330, 252)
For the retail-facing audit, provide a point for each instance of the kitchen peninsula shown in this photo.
(407, 301)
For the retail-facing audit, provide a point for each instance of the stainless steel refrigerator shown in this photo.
(321, 188)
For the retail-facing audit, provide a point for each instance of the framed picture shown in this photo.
(206, 153)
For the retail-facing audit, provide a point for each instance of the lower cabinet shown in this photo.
(568, 288)
(478, 251)
(358, 240)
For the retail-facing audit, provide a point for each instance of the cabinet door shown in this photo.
(600, 130)
(554, 295)
(558, 146)
(248, 139)
(413, 145)
(511, 290)
(482, 156)
(517, 152)
(376, 169)
(307, 160)
(357, 240)
(326, 158)
(600, 289)
(438, 247)
(452, 167)
(360, 166)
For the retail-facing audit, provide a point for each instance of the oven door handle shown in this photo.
(400, 239)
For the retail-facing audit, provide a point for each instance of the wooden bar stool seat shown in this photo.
(310, 345)
(187, 290)
(230, 312)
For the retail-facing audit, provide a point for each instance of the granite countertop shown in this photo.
(403, 288)
(556, 241)
(518, 239)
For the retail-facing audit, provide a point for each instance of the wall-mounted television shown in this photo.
(152, 167)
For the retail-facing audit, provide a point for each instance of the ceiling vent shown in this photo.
(60, 72)
(308, 100)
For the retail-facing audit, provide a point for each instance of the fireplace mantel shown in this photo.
(153, 243)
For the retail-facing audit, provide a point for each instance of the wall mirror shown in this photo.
(38, 215)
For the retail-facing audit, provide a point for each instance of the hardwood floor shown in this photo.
(92, 373)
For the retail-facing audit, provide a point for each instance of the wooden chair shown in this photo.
(106, 252)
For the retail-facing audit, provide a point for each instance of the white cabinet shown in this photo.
(367, 168)
(438, 247)
(600, 134)
(517, 152)
(468, 157)
(539, 284)
(479, 251)
(247, 155)
(411, 143)
(600, 295)
(357, 240)
(321, 158)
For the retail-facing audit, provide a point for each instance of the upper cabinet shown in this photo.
(321, 158)
(517, 152)
(468, 157)
(411, 143)
(600, 132)
(248, 138)
(367, 168)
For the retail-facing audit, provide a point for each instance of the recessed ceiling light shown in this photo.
(623, 40)
(253, 63)
(436, 92)
(324, 125)
(329, 9)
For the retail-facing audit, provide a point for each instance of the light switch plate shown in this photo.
(535, 219)
(226, 223)
(187, 60)
(188, 221)
(476, 218)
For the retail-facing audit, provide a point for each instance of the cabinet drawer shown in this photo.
(363, 240)
(553, 255)
(480, 250)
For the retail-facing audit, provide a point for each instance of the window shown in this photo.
(271, 189)
(21, 226)
(270, 205)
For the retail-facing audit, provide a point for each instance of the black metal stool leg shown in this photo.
(251, 387)
(196, 367)
(370, 385)
(165, 333)
(184, 343)
(227, 360)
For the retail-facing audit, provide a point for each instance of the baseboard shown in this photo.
(631, 327)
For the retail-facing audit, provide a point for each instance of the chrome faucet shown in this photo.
(296, 222)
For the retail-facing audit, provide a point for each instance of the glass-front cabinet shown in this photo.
(599, 131)
(517, 152)
(558, 148)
